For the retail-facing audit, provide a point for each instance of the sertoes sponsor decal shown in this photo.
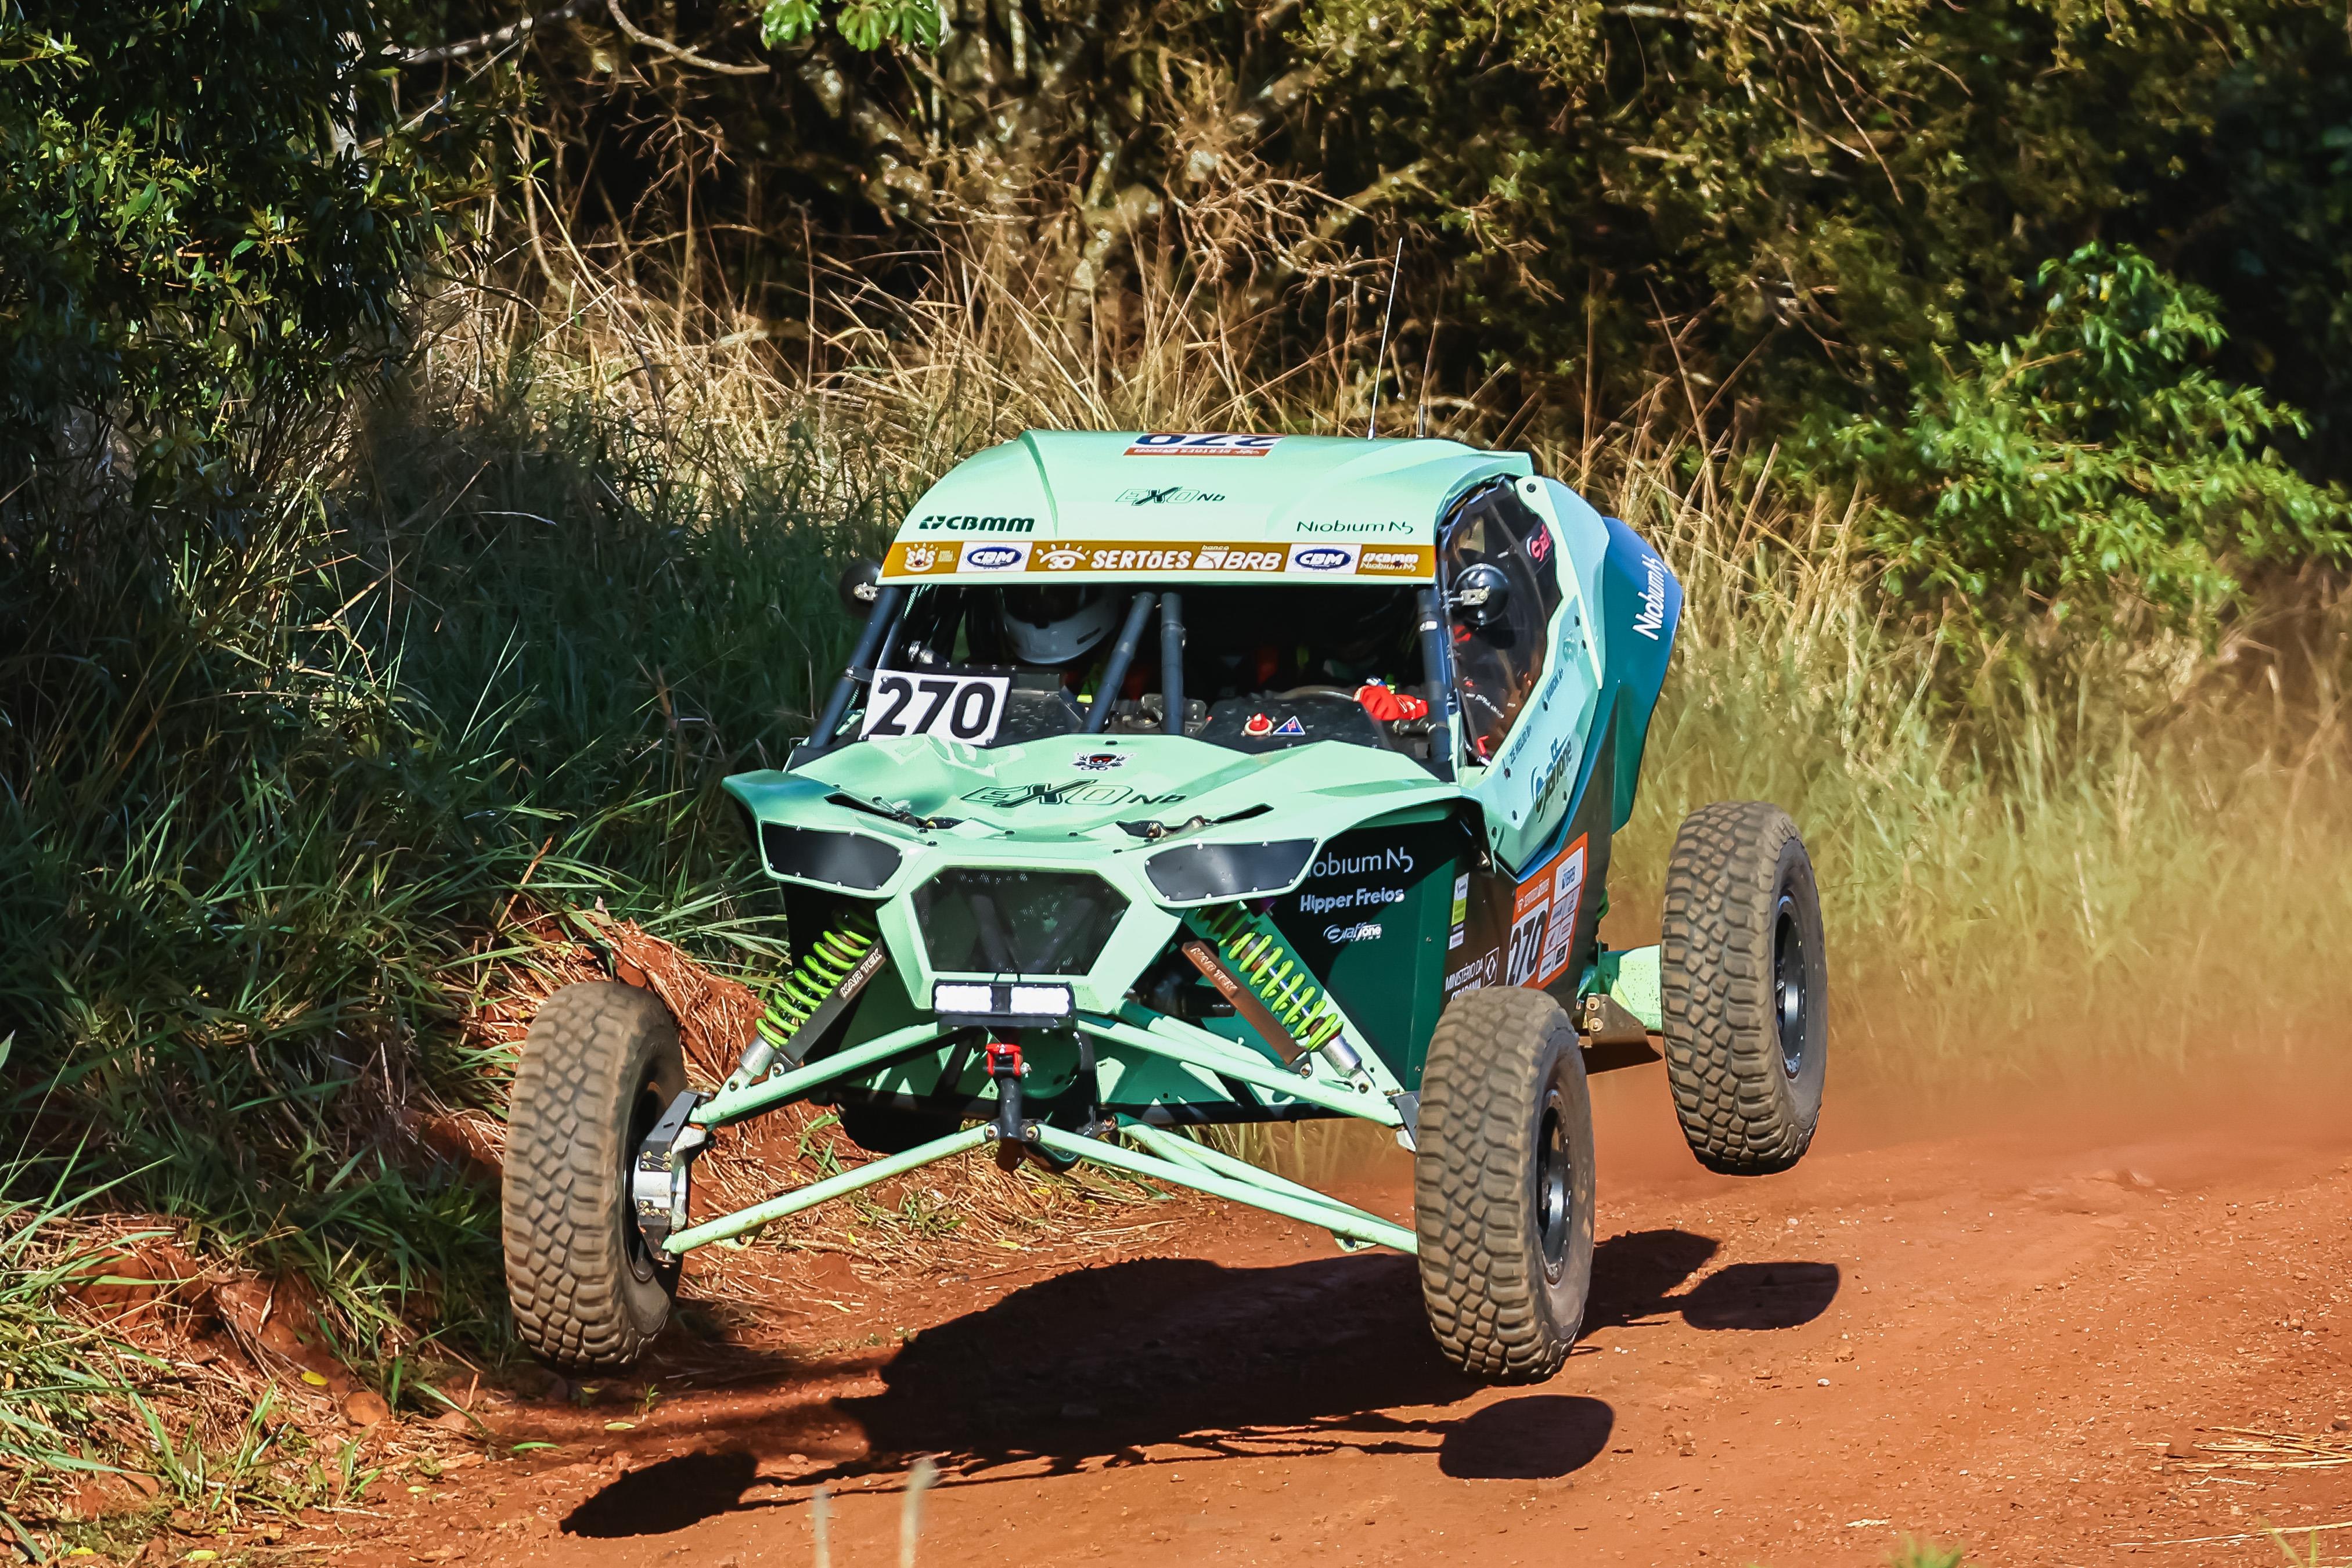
(995, 558)
(1290, 727)
(1201, 443)
(1257, 725)
(1061, 557)
(1097, 761)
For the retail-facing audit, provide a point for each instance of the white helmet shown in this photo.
(1056, 625)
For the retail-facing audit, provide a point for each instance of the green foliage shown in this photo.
(208, 217)
(864, 24)
(261, 841)
(1788, 205)
(2091, 455)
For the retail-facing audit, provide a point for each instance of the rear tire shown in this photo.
(600, 1064)
(1503, 1184)
(1743, 980)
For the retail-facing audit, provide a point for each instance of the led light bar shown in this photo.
(999, 1003)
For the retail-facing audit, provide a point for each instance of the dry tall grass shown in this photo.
(2045, 852)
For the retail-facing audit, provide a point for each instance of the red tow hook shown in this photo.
(1005, 1066)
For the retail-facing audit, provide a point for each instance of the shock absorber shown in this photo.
(1253, 952)
(827, 978)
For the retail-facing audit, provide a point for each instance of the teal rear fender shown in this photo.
(1640, 608)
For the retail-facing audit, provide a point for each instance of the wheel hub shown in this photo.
(1553, 1193)
(659, 1177)
(1791, 1004)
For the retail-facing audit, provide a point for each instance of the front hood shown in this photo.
(878, 820)
(1047, 792)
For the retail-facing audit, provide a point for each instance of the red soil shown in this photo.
(1984, 1327)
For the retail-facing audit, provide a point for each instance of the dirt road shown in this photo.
(1983, 1327)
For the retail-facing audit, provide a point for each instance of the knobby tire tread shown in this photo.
(1715, 988)
(575, 1297)
(1481, 1280)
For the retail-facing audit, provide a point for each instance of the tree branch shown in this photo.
(498, 40)
(674, 51)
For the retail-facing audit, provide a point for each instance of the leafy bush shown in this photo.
(209, 211)
(2090, 458)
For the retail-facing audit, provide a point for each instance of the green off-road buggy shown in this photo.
(1180, 779)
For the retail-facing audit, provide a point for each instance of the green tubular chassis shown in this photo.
(1077, 941)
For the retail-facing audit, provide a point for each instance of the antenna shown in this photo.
(1372, 421)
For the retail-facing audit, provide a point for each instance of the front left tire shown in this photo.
(600, 1065)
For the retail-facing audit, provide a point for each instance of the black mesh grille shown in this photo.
(992, 921)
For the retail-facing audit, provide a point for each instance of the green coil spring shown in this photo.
(1264, 962)
(819, 972)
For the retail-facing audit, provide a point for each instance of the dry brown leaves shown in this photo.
(925, 1219)
(2245, 1448)
(214, 1355)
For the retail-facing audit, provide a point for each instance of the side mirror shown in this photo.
(1480, 595)
(861, 584)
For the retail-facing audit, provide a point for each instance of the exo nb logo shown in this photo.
(1170, 496)
(1077, 792)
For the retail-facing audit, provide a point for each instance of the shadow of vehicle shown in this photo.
(1533, 1437)
(1101, 1365)
(1636, 1276)
(673, 1495)
(1105, 1362)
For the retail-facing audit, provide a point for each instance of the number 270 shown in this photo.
(968, 705)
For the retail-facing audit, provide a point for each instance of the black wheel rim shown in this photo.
(643, 1111)
(1792, 1000)
(1554, 1194)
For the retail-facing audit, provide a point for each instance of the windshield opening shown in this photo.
(1263, 667)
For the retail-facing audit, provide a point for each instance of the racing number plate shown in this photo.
(948, 704)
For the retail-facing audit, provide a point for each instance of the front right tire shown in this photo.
(1503, 1184)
